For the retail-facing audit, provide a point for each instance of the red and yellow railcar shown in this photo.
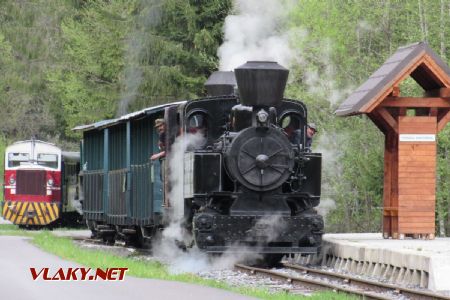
(38, 187)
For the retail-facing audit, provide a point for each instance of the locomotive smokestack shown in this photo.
(261, 83)
(221, 83)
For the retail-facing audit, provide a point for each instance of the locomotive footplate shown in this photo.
(265, 234)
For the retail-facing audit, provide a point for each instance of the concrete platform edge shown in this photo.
(390, 261)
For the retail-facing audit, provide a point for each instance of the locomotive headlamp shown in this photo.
(262, 116)
(50, 182)
(12, 180)
(204, 221)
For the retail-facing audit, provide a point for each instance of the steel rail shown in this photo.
(346, 284)
(313, 284)
(370, 284)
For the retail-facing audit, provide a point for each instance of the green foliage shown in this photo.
(177, 52)
(352, 175)
(344, 43)
(29, 47)
(3, 145)
(125, 55)
(86, 81)
(71, 62)
(443, 181)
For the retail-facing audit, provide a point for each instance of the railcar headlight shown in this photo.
(50, 182)
(12, 180)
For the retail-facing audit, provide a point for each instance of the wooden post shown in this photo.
(390, 210)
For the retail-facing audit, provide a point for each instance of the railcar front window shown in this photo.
(47, 160)
(16, 159)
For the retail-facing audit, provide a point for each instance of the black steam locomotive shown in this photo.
(248, 183)
(256, 185)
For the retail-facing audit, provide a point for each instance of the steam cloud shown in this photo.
(328, 145)
(174, 235)
(255, 34)
(176, 167)
(325, 206)
(270, 226)
(259, 31)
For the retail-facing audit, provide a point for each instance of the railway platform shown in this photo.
(410, 262)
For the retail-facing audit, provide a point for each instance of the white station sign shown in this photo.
(417, 137)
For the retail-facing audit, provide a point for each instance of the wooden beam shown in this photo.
(416, 102)
(442, 92)
(395, 91)
(387, 230)
(376, 120)
(441, 113)
(387, 117)
(443, 121)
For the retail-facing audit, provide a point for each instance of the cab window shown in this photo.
(16, 159)
(292, 126)
(47, 160)
(197, 123)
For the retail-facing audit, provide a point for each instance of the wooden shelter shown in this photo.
(410, 126)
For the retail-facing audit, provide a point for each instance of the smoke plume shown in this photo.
(174, 236)
(176, 167)
(329, 146)
(149, 17)
(264, 30)
(325, 206)
(255, 33)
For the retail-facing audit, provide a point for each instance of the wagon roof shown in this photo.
(124, 118)
(417, 60)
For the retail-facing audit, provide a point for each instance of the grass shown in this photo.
(65, 248)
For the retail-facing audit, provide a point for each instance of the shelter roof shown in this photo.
(417, 60)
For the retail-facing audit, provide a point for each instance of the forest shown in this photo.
(70, 62)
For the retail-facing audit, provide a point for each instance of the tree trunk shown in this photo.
(423, 24)
(442, 33)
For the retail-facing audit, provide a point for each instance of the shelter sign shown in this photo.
(417, 137)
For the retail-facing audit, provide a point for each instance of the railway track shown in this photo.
(324, 280)
(314, 279)
(118, 247)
